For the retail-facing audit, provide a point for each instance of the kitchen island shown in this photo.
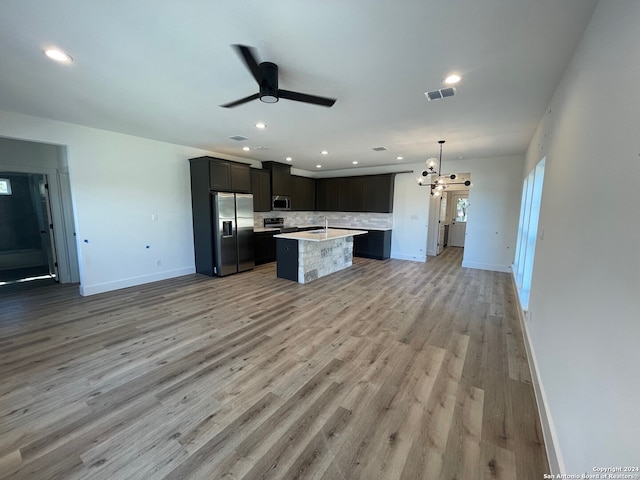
(307, 256)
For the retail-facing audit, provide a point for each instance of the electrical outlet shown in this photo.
(158, 263)
(154, 217)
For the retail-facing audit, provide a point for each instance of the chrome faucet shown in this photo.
(326, 222)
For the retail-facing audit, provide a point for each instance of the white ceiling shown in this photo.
(161, 68)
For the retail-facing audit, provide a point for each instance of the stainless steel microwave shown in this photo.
(281, 202)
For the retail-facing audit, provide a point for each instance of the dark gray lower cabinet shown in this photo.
(287, 255)
(265, 247)
(375, 244)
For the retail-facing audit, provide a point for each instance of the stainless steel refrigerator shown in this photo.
(233, 232)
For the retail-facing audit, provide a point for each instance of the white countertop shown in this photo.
(331, 234)
(265, 229)
(377, 229)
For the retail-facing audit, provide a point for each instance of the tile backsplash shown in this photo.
(342, 219)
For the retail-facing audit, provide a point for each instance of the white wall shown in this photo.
(494, 208)
(410, 218)
(585, 297)
(493, 213)
(118, 182)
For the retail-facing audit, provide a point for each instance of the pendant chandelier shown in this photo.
(431, 177)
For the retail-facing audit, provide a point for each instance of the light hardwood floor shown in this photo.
(387, 370)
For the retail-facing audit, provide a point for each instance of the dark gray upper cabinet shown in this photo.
(371, 193)
(281, 183)
(304, 193)
(327, 194)
(350, 196)
(378, 193)
(219, 175)
(223, 175)
(261, 189)
(240, 178)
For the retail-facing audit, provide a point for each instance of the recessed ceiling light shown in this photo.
(399, 158)
(324, 152)
(58, 55)
(288, 159)
(452, 79)
(318, 166)
(246, 149)
(260, 125)
(355, 162)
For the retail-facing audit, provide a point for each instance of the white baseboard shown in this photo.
(86, 290)
(556, 465)
(413, 258)
(486, 266)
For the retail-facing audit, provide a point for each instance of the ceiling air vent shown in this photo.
(442, 93)
(238, 138)
(379, 149)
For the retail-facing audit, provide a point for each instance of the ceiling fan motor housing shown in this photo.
(269, 83)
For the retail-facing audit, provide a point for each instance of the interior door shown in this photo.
(457, 232)
(48, 239)
(458, 228)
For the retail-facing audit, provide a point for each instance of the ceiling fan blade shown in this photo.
(241, 101)
(250, 61)
(303, 97)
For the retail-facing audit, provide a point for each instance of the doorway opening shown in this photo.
(448, 216)
(27, 244)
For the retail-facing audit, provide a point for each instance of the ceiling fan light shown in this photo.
(268, 98)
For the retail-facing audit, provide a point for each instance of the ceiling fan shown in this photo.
(266, 74)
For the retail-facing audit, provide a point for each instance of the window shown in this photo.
(5, 186)
(528, 231)
(462, 206)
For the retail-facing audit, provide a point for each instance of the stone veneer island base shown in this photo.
(307, 256)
